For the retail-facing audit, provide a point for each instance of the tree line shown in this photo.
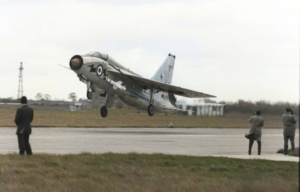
(40, 97)
(266, 107)
(240, 106)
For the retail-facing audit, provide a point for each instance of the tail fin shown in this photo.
(165, 72)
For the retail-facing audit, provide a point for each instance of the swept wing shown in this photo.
(148, 84)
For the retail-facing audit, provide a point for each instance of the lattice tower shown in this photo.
(20, 90)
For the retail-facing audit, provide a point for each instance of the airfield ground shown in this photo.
(141, 172)
(45, 117)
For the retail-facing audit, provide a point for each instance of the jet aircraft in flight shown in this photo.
(105, 77)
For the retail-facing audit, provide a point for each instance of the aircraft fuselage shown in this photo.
(101, 80)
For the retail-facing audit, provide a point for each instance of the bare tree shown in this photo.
(47, 97)
(73, 96)
(39, 96)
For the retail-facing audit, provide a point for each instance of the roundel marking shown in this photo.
(99, 70)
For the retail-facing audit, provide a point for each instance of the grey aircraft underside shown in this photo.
(105, 77)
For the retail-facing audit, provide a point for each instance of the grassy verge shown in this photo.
(133, 172)
(130, 118)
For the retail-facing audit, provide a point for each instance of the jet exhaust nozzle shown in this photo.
(76, 62)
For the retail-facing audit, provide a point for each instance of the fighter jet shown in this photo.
(107, 78)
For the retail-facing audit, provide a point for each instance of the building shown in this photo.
(200, 108)
(80, 105)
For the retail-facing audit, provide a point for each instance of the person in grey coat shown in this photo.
(24, 117)
(257, 122)
(289, 124)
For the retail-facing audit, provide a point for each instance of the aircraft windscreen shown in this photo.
(97, 54)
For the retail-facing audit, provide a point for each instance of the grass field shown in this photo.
(133, 172)
(129, 118)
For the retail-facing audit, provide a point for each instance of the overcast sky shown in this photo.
(232, 49)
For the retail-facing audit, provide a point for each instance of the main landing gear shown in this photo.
(150, 106)
(151, 110)
(103, 111)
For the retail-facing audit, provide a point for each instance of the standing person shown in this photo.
(289, 128)
(24, 117)
(257, 122)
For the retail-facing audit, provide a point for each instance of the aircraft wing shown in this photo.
(148, 84)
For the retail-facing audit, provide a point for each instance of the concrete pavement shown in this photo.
(181, 141)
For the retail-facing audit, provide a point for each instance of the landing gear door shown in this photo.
(98, 94)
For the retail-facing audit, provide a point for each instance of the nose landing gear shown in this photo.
(90, 90)
(89, 94)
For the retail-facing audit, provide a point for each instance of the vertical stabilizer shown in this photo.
(165, 72)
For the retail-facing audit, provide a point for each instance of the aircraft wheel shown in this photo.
(103, 111)
(89, 94)
(150, 110)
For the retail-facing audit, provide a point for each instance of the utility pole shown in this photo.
(20, 89)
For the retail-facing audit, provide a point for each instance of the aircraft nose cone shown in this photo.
(76, 62)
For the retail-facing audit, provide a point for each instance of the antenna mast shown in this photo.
(20, 90)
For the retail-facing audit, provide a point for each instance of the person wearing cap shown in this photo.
(23, 119)
(257, 122)
(289, 128)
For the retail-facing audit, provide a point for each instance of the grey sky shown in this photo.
(232, 49)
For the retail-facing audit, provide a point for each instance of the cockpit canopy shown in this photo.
(97, 54)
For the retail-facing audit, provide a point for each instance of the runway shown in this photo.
(181, 141)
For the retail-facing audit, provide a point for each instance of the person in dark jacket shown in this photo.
(257, 122)
(24, 117)
(289, 124)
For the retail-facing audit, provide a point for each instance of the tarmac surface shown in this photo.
(180, 141)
